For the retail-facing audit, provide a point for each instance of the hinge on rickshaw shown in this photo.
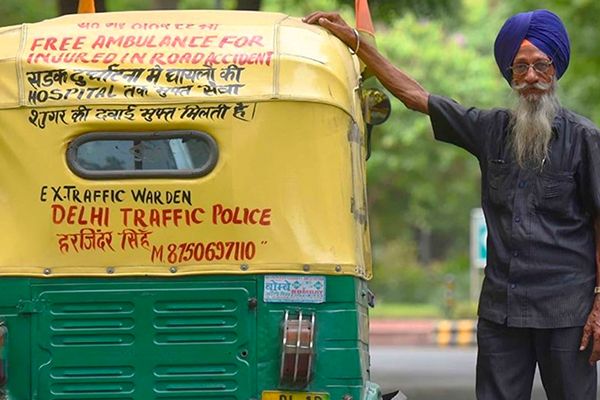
(30, 306)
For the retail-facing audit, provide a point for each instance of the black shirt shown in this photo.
(540, 270)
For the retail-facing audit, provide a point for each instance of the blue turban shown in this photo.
(543, 29)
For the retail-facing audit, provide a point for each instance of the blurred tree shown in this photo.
(252, 5)
(420, 189)
(19, 11)
(389, 10)
(382, 10)
(165, 4)
(421, 192)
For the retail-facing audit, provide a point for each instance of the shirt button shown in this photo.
(517, 219)
(515, 253)
(522, 184)
(512, 286)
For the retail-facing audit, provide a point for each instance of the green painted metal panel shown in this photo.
(18, 347)
(181, 338)
(187, 341)
(341, 359)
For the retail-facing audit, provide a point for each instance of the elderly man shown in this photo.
(540, 171)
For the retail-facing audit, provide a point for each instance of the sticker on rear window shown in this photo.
(294, 289)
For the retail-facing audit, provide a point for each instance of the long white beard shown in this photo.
(531, 125)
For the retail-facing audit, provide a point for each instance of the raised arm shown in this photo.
(402, 86)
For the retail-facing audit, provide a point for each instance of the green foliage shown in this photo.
(405, 310)
(301, 8)
(388, 10)
(128, 5)
(402, 279)
(18, 11)
(462, 310)
(385, 11)
(465, 310)
(14, 12)
(415, 183)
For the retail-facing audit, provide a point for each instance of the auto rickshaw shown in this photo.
(183, 209)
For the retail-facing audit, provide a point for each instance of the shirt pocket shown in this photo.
(499, 183)
(555, 192)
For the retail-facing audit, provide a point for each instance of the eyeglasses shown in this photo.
(540, 67)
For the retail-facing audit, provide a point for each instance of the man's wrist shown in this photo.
(357, 37)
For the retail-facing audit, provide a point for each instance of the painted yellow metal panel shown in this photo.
(278, 96)
(100, 58)
(296, 177)
(9, 91)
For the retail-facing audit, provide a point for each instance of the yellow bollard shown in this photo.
(444, 333)
(465, 332)
(455, 333)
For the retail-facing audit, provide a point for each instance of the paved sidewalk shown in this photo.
(416, 332)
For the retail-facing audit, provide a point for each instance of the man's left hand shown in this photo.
(591, 330)
(335, 24)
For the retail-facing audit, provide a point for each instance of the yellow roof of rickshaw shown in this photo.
(276, 96)
(281, 58)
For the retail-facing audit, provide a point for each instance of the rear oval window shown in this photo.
(166, 154)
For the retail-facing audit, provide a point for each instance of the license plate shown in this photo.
(284, 395)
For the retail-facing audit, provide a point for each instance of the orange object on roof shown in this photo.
(364, 23)
(86, 6)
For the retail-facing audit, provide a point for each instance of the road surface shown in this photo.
(430, 373)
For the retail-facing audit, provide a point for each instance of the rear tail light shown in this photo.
(298, 349)
(3, 356)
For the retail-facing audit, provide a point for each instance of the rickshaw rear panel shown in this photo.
(184, 210)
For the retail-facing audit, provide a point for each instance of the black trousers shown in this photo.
(507, 358)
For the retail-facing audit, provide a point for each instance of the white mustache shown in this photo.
(537, 85)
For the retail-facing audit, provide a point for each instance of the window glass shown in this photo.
(164, 154)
